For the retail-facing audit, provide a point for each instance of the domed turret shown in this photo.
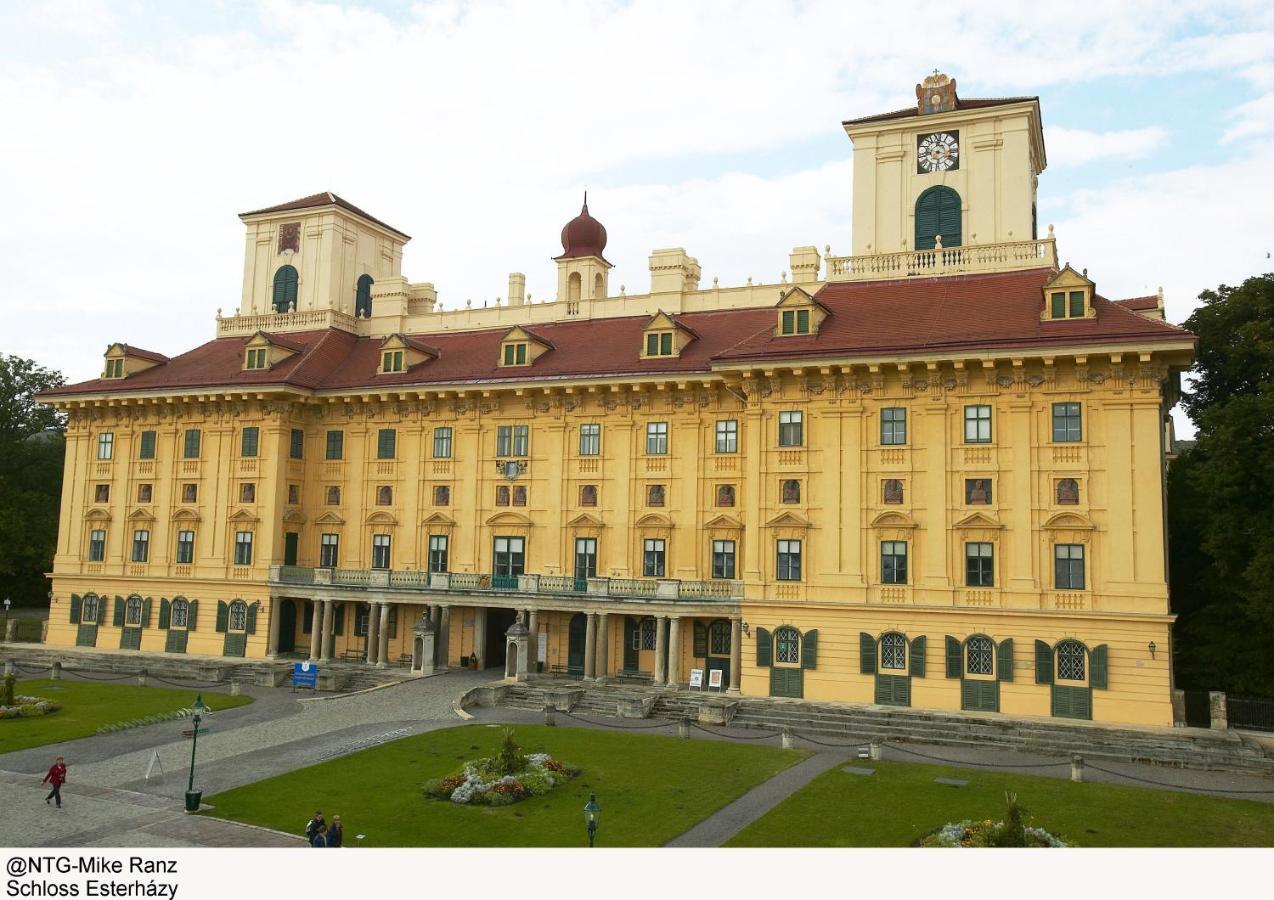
(583, 236)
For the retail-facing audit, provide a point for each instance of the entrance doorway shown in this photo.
(498, 622)
(287, 626)
(718, 650)
(577, 637)
(631, 647)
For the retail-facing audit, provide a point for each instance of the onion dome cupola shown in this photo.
(582, 271)
(583, 236)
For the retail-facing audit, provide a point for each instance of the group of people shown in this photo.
(320, 834)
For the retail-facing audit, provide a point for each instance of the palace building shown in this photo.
(929, 473)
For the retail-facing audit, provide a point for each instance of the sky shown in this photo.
(133, 133)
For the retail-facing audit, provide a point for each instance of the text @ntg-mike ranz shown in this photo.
(90, 876)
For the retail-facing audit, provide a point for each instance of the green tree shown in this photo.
(1221, 496)
(32, 447)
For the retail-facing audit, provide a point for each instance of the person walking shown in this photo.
(314, 826)
(56, 777)
(335, 833)
(320, 839)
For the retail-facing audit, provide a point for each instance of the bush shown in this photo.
(507, 777)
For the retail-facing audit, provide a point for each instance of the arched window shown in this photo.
(648, 633)
(791, 490)
(598, 289)
(1070, 661)
(333, 495)
(725, 495)
(285, 280)
(238, 616)
(1067, 492)
(573, 287)
(588, 495)
(719, 638)
(384, 495)
(979, 654)
(519, 495)
(133, 611)
(938, 213)
(787, 645)
(363, 297)
(893, 651)
(502, 495)
(89, 612)
(180, 613)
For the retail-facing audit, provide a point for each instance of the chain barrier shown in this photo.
(610, 725)
(962, 762)
(736, 737)
(32, 671)
(1177, 787)
(859, 743)
(88, 677)
(190, 683)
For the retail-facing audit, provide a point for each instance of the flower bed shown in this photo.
(29, 708)
(982, 834)
(500, 780)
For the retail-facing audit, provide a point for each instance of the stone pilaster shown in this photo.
(590, 647)
(382, 643)
(674, 650)
(373, 631)
(444, 637)
(736, 653)
(316, 628)
(272, 644)
(603, 645)
(661, 648)
(480, 636)
(325, 643)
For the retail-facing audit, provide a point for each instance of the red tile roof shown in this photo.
(323, 198)
(911, 112)
(1151, 302)
(130, 350)
(867, 319)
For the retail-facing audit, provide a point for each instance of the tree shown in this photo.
(32, 447)
(1221, 496)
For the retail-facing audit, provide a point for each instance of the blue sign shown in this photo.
(305, 674)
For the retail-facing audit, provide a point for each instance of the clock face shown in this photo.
(938, 152)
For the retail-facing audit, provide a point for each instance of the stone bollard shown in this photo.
(789, 743)
(1217, 710)
(683, 729)
(56, 674)
(8, 668)
(873, 750)
(234, 688)
(550, 714)
(11, 630)
(1077, 767)
(1178, 708)
(141, 678)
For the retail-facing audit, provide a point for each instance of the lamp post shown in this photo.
(591, 814)
(192, 796)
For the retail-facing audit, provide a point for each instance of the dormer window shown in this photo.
(391, 361)
(115, 368)
(123, 360)
(1067, 304)
(796, 321)
(659, 343)
(515, 354)
(263, 351)
(1068, 295)
(665, 336)
(258, 358)
(799, 314)
(398, 353)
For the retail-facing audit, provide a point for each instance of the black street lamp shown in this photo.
(592, 812)
(192, 796)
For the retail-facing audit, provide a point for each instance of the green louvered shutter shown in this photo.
(764, 649)
(165, 612)
(76, 605)
(119, 612)
(252, 617)
(1043, 663)
(918, 647)
(701, 640)
(223, 615)
(1004, 660)
(146, 612)
(938, 213)
(866, 653)
(809, 649)
(1097, 667)
(190, 620)
(953, 657)
(103, 607)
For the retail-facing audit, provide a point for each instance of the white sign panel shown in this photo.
(714, 679)
(696, 679)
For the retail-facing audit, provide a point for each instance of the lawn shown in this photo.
(900, 803)
(650, 788)
(86, 705)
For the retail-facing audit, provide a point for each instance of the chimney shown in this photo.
(517, 289)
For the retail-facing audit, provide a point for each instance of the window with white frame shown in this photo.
(791, 429)
(646, 634)
(243, 548)
(238, 616)
(141, 545)
(979, 654)
(893, 651)
(1070, 661)
(329, 550)
(979, 564)
(106, 445)
(893, 425)
(1068, 567)
(787, 645)
(590, 439)
(179, 617)
(723, 559)
(133, 611)
(97, 545)
(442, 443)
(1067, 426)
(185, 547)
(653, 559)
(788, 566)
(90, 612)
(727, 436)
(893, 562)
(977, 424)
(380, 551)
(656, 438)
(437, 553)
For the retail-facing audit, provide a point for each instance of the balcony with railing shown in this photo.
(973, 258)
(550, 585)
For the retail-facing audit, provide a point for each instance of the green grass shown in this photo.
(900, 803)
(650, 788)
(86, 705)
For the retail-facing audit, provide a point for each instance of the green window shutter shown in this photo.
(165, 612)
(146, 613)
(866, 653)
(103, 606)
(119, 612)
(701, 640)
(1004, 660)
(223, 615)
(764, 650)
(954, 654)
(1043, 663)
(76, 605)
(918, 647)
(1059, 305)
(190, 619)
(252, 617)
(809, 649)
(1097, 667)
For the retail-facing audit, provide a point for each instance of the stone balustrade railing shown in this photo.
(468, 582)
(303, 320)
(1002, 257)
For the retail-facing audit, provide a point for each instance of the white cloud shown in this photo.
(1076, 146)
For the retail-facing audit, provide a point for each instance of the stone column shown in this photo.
(316, 628)
(1217, 710)
(661, 648)
(373, 629)
(444, 637)
(382, 644)
(272, 647)
(736, 654)
(590, 647)
(674, 651)
(325, 642)
(480, 636)
(533, 654)
(603, 646)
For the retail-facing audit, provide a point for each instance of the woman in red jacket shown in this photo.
(55, 777)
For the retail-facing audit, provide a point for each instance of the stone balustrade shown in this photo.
(305, 320)
(1002, 257)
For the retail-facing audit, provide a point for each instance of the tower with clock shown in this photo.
(948, 171)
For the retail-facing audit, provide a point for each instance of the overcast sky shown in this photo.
(133, 133)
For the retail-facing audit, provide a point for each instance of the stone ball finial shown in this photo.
(1050, 230)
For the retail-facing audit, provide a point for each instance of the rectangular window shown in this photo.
(392, 361)
(977, 491)
(250, 442)
(243, 548)
(329, 550)
(442, 443)
(659, 344)
(789, 321)
(791, 429)
(723, 559)
(590, 439)
(656, 438)
(102, 493)
(106, 445)
(248, 492)
(189, 493)
(386, 443)
(979, 565)
(141, 545)
(893, 562)
(727, 435)
(521, 440)
(97, 545)
(977, 424)
(1068, 562)
(437, 553)
(1058, 300)
(144, 492)
(190, 447)
(146, 449)
(802, 321)
(256, 358)
(115, 368)
(1077, 304)
(510, 557)
(296, 446)
(336, 445)
(585, 558)
(185, 547)
(652, 558)
(1066, 422)
(789, 561)
(512, 440)
(380, 551)
(893, 425)
(515, 354)
(652, 345)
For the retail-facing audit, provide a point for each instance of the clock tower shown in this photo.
(958, 172)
